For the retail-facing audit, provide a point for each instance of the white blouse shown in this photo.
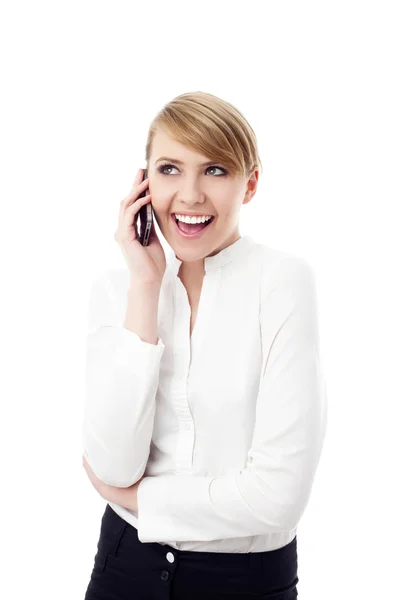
(226, 425)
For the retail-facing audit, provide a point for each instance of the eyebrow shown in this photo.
(179, 162)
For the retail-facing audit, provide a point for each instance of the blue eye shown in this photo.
(162, 168)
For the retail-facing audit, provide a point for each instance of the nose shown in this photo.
(190, 191)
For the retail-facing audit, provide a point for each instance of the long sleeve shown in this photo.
(122, 374)
(271, 493)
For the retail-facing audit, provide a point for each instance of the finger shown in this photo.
(128, 222)
(129, 216)
(134, 206)
(131, 200)
(138, 176)
(134, 193)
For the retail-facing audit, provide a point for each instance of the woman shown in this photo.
(206, 409)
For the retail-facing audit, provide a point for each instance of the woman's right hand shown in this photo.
(146, 264)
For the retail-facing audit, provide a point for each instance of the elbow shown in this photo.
(290, 518)
(285, 517)
(279, 504)
(114, 471)
(118, 469)
(293, 511)
(123, 479)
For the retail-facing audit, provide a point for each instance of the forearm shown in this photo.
(142, 311)
(122, 371)
(126, 497)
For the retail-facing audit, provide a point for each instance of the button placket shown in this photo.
(165, 574)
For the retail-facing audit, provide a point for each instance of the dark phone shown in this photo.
(145, 217)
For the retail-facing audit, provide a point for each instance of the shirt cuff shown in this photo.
(131, 346)
(164, 500)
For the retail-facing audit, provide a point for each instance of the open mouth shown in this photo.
(187, 230)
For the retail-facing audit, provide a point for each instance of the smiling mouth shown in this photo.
(188, 230)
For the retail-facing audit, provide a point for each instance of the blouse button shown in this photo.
(170, 557)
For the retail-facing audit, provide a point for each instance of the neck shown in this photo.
(192, 273)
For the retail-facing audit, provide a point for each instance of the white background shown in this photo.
(81, 82)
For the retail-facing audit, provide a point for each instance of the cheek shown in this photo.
(226, 206)
(160, 198)
(160, 208)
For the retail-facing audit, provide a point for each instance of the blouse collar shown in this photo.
(217, 261)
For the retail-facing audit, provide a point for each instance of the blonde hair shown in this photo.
(211, 126)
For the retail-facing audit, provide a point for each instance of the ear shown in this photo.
(251, 186)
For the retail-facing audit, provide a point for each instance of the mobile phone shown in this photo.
(145, 218)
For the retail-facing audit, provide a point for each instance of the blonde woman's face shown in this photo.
(190, 186)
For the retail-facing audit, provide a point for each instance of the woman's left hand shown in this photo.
(126, 497)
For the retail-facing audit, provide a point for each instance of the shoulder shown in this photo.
(281, 269)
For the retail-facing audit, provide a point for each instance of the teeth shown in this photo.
(187, 219)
